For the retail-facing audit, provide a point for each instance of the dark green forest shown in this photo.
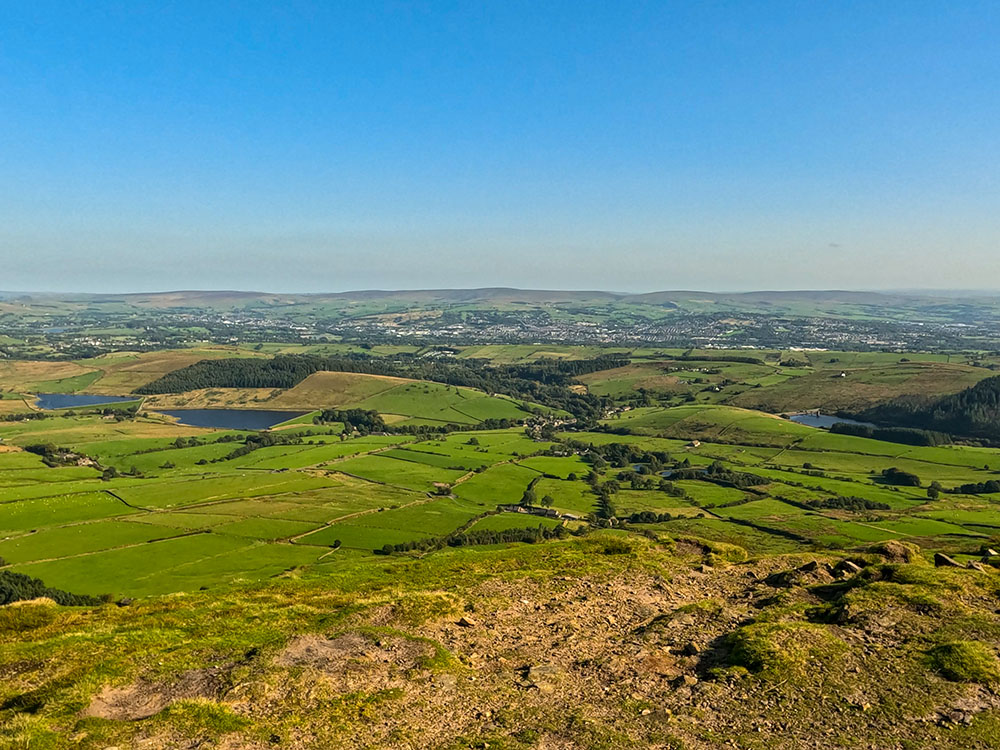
(972, 413)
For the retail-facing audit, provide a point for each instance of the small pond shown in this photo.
(72, 400)
(231, 419)
(825, 420)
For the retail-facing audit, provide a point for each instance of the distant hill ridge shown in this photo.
(194, 297)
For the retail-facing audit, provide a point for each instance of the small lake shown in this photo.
(824, 420)
(231, 419)
(71, 400)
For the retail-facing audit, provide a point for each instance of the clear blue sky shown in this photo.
(614, 145)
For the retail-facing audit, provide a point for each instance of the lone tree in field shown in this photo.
(548, 501)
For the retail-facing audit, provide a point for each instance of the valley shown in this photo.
(650, 527)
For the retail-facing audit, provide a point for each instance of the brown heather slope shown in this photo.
(319, 390)
(611, 641)
(861, 388)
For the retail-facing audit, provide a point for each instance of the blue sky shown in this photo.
(626, 145)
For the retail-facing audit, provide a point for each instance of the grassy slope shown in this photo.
(276, 514)
(371, 656)
(404, 400)
(255, 505)
(862, 387)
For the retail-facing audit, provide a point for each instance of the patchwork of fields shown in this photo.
(145, 506)
(195, 518)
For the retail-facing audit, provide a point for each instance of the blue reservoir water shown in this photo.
(71, 400)
(231, 419)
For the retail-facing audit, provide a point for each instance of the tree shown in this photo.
(548, 501)
(528, 498)
(899, 477)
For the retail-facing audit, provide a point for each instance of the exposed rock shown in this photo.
(847, 568)
(659, 663)
(799, 577)
(942, 560)
(895, 551)
(691, 649)
(467, 622)
(544, 677)
(352, 661)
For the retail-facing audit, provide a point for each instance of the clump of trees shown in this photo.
(259, 440)
(719, 473)
(482, 536)
(648, 516)
(16, 587)
(620, 455)
(688, 357)
(978, 488)
(364, 421)
(849, 503)
(24, 416)
(899, 477)
(53, 455)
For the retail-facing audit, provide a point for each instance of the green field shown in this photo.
(181, 515)
(504, 483)
(401, 473)
(504, 521)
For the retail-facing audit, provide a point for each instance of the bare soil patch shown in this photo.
(144, 698)
(357, 661)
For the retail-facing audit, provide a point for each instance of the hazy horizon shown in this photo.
(929, 291)
(317, 146)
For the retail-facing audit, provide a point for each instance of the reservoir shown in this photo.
(824, 420)
(71, 400)
(231, 419)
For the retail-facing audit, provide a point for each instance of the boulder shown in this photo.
(896, 552)
(942, 560)
(691, 649)
(847, 568)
